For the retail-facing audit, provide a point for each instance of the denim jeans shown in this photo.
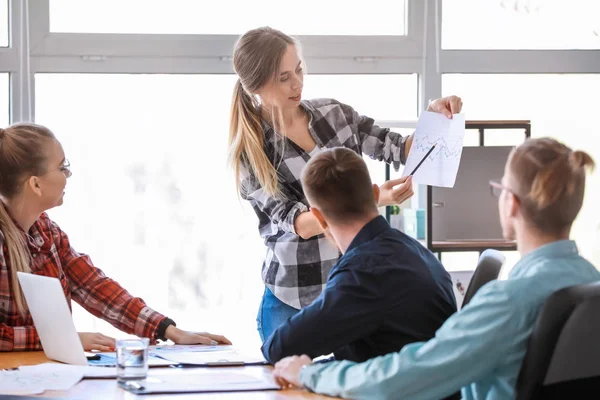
(272, 313)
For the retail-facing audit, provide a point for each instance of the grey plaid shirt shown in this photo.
(296, 270)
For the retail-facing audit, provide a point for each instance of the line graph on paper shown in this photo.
(441, 166)
(446, 149)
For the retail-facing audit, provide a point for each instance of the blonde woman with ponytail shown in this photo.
(273, 133)
(33, 176)
(480, 348)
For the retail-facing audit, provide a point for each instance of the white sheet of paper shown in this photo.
(85, 371)
(17, 387)
(48, 376)
(441, 166)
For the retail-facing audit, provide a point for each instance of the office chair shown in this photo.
(488, 267)
(563, 353)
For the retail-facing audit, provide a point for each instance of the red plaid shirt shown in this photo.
(81, 281)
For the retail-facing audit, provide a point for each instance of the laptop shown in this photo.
(53, 321)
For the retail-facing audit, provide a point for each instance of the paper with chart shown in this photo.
(440, 167)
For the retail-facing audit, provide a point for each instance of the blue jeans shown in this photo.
(272, 313)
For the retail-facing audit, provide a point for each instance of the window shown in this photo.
(4, 100)
(467, 261)
(520, 24)
(3, 23)
(559, 106)
(382, 97)
(309, 17)
(152, 200)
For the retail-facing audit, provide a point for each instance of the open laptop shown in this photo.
(53, 321)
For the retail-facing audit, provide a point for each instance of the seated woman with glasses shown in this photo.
(33, 176)
(480, 349)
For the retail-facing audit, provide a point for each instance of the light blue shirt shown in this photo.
(479, 349)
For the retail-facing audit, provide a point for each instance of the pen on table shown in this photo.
(421, 162)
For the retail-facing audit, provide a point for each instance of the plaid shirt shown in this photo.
(52, 255)
(296, 270)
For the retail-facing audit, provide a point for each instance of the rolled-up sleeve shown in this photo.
(281, 211)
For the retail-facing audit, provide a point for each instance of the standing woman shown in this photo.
(273, 134)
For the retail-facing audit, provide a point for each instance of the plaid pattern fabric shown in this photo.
(296, 270)
(52, 255)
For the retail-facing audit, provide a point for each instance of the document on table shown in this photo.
(208, 380)
(207, 355)
(440, 166)
(38, 378)
(85, 371)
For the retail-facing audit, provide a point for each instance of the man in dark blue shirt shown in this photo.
(386, 291)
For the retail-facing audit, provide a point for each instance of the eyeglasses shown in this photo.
(496, 188)
(66, 169)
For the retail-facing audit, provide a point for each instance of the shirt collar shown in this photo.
(369, 231)
(558, 249)
(35, 237)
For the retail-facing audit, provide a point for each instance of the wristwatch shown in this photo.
(162, 328)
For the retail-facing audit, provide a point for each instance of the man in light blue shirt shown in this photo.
(480, 349)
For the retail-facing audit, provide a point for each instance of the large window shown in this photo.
(559, 106)
(309, 17)
(4, 100)
(151, 199)
(521, 24)
(3, 23)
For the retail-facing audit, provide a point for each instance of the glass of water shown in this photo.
(132, 359)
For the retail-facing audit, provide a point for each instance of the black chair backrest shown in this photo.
(488, 267)
(563, 353)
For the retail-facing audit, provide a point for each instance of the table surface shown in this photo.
(107, 388)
